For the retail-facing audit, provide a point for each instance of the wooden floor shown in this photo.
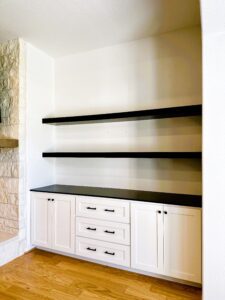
(41, 275)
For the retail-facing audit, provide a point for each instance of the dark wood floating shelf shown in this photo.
(146, 196)
(124, 154)
(158, 113)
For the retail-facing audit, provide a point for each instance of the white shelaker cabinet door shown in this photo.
(182, 243)
(147, 237)
(40, 220)
(63, 223)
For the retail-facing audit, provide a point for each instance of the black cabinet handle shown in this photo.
(159, 211)
(165, 212)
(109, 253)
(107, 231)
(91, 249)
(89, 228)
(49, 199)
(53, 199)
(92, 208)
(109, 210)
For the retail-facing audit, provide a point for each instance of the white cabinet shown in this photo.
(103, 230)
(63, 223)
(104, 251)
(166, 239)
(147, 237)
(182, 243)
(155, 238)
(103, 208)
(53, 221)
(40, 216)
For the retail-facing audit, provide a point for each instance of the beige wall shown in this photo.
(159, 71)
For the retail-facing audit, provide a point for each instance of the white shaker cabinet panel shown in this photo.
(147, 237)
(40, 220)
(166, 239)
(182, 243)
(103, 230)
(63, 224)
(103, 209)
(53, 221)
(104, 251)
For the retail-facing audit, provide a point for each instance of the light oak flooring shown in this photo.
(41, 275)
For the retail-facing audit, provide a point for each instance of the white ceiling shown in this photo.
(62, 27)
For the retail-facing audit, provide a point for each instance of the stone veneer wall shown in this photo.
(12, 161)
(10, 96)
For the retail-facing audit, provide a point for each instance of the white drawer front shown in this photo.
(103, 230)
(103, 208)
(104, 251)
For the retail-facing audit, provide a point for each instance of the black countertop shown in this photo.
(145, 196)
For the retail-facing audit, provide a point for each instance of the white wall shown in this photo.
(160, 71)
(39, 102)
(213, 16)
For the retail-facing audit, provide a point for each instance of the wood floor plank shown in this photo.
(46, 276)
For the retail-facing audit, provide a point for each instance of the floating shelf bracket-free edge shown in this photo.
(173, 155)
(157, 113)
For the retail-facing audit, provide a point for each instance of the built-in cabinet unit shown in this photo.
(103, 229)
(166, 239)
(40, 220)
(147, 237)
(153, 236)
(53, 221)
(182, 243)
(150, 237)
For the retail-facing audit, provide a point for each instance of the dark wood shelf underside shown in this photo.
(195, 155)
(158, 113)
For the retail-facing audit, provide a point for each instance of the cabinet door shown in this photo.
(40, 220)
(182, 243)
(63, 223)
(147, 237)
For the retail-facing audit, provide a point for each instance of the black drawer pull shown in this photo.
(109, 253)
(93, 208)
(107, 231)
(89, 228)
(109, 210)
(91, 249)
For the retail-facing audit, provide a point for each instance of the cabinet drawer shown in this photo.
(102, 208)
(103, 230)
(104, 251)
